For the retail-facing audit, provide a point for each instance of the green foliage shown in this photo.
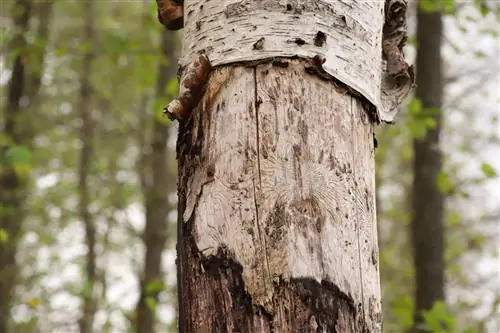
(444, 182)
(403, 308)
(488, 170)
(19, 158)
(155, 286)
(439, 320)
(420, 119)
(4, 236)
(446, 6)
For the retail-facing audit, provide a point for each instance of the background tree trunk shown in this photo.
(19, 129)
(159, 183)
(428, 202)
(84, 170)
(12, 192)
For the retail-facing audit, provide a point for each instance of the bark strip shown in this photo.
(398, 78)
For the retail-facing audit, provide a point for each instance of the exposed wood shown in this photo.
(277, 206)
(428, 202)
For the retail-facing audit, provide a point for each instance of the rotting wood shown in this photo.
(289, 200)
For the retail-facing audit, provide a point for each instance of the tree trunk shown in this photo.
(428, 201)
(159, 184)
(84, 171)
(18, 128)
(276, 186)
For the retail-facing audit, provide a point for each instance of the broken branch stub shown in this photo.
(171, 13)
(192, 85)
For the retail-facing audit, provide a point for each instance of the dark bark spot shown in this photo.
(259, 45)
(280, 63)
(321, 155)
(374, 257)
(258, 102)
(211, 170)
(302, 130)
(289, 7)
(319, 39)
(299, 41)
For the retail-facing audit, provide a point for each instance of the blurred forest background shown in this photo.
(88, 171)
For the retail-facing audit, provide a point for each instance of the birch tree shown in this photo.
(277, 109)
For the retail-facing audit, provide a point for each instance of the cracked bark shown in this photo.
(276, 185)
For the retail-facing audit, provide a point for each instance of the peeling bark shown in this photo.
(342, 32)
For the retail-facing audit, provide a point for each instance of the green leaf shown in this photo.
(454, 218)
(5, 140)
(415, 106)
(155, 286)
(402, 308)
(172, 87)
(151, 304)
(19, 158)
(4, 236)
(438, 319)
(444, 183)
(488, 170)
(481, 5)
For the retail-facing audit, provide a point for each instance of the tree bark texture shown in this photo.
(159, 183)
(18, 126)
(277, 228)
(282, 235)
(85, 170)
(428, 201)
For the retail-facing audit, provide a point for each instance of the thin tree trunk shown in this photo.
(12, 191)
(428, 201)
(84, 170)
(276, 229)
(25, 84)
(159, 185)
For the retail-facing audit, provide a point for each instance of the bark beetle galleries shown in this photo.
(171, 13)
